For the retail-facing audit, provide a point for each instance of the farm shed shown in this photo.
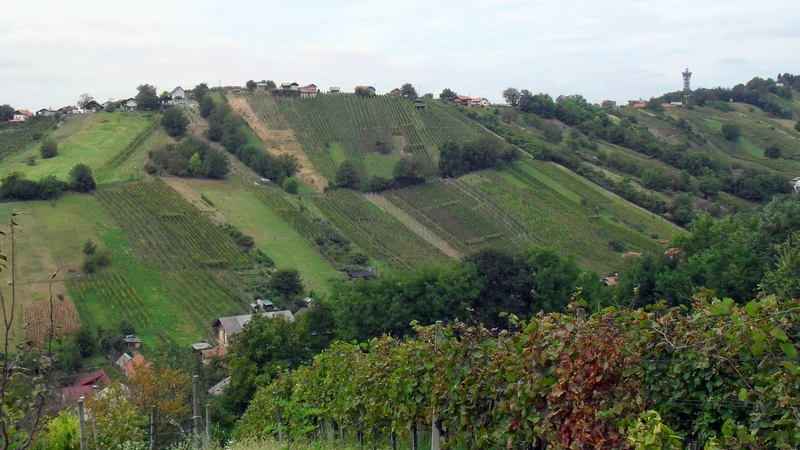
(610, 281)
(395, 91)
(225, 327)
(132, 342)
(261, 87)
(70, 109)
(365, 274)
(293, 86)
(334, 90)
(200, 346)
(419, 104)
(92, 106)
(46, 112)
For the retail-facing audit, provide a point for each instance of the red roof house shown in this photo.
(83, 386)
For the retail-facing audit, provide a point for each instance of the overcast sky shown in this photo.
(54, 51)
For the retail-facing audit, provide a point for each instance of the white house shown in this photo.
(21, 115)
(128, 104)
(225, 327)
(261, 86)
(178, 95)
(480, 101)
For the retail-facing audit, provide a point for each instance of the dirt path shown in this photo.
(181, 186)
(413, 225)
(285, 140)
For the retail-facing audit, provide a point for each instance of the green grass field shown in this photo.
(272, 234)
(333, 128)
(91, 139)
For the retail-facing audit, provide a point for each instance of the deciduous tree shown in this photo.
(200, 91)
(6, 113)
(81, 179)
(251, 85)
(512, 96)
(447, 94)
(347, 176)
(286, 282)
(175, 121)
(147, 98)
(773, 151)
(408, 91)
(84, 100)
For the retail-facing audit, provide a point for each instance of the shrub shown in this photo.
(85, 340)
(151, 168)
(797, 126)
(773, 151)
(126, 328)
(731, 131)
(89, 248)
(290, 185)
(111, 107)
(31, 161)
(37, 135)
(207, 200)
(49, 148)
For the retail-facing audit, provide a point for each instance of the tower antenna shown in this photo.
(687, 79)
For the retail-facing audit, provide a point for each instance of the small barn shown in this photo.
(46, 112)
(395, 91)
(334, 90)
(419, 104)
(463, 100)
(291, 86)
(367, 90)
(261, 86)
(132, 342)
(83, 386)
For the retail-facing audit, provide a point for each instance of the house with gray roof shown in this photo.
(225, 327)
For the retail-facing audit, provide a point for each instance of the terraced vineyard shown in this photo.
(121, 300)
(18, 137)
(195, 259)
(459, 213)
(554, 220)
(378, 233)
(333, 128)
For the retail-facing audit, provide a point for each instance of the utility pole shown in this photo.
(196, 406)
(82, 422)
(153, 445)
(434, 428)
(208, 425)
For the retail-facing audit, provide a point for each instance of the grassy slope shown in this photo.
(758, 132)
(91, 139)
(273, 235)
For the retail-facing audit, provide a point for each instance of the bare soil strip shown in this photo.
(285, 140)
(421, 230)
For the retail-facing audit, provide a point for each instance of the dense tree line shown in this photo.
(595, 123)
(485, 152)
(190, 157)
(16, 187)
(759, 92)
(736, 257)
(227, 128)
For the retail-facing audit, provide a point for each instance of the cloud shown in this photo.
(615, 49)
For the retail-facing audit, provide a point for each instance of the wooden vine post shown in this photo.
(434, 426)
